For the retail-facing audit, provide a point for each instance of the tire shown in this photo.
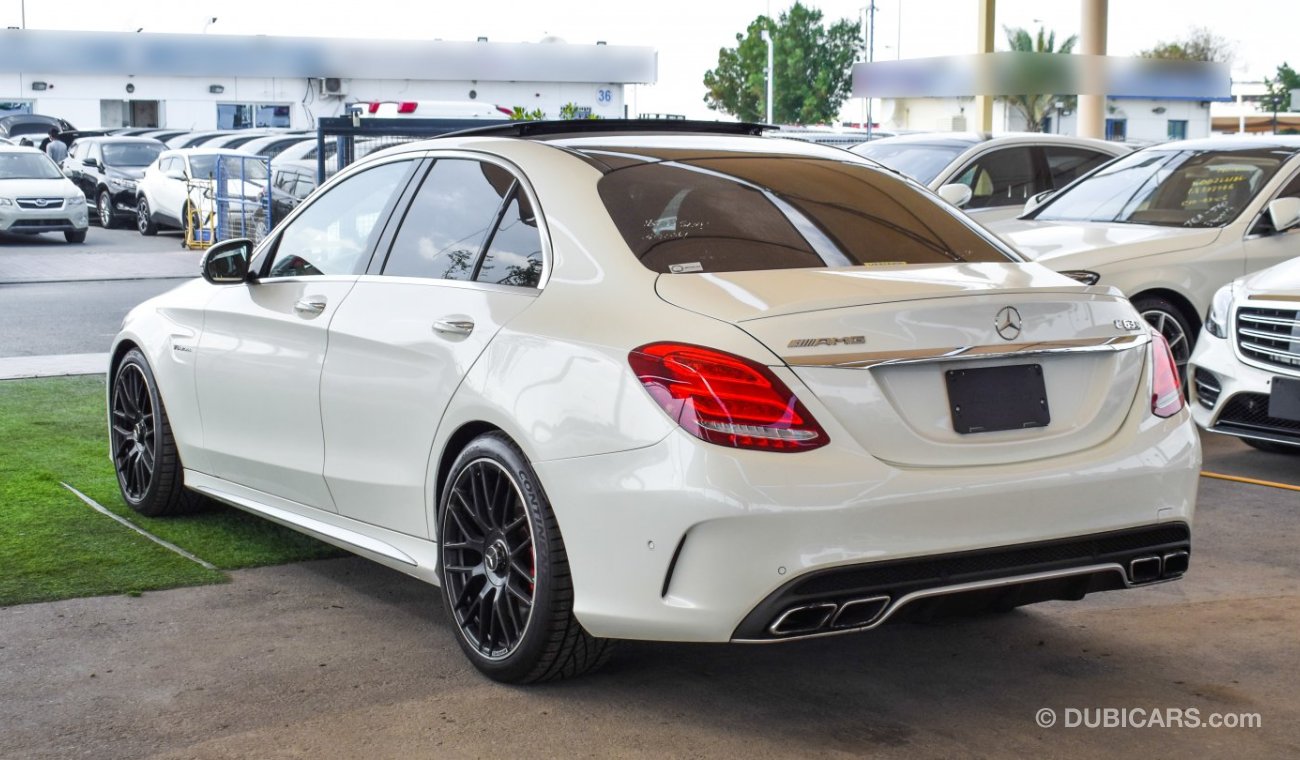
(1271, 447)
(148, 467)
(104, 209)
(143, 221)
(513, 621)
(75, 236)
(1169, 320)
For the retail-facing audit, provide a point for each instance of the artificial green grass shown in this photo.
(53, 546)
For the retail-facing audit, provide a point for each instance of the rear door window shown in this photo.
(1068, 164)
(738, 213)
(1004, 177)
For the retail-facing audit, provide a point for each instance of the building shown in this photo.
(196, 81)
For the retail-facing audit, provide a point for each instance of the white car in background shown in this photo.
(1000, 172)
(1171, 224)
(661, 380)
(1245, 374)
(181, 182)
(35, 197)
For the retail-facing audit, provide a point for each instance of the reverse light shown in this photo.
(1166, 390)
(725, 399)
(407, 106)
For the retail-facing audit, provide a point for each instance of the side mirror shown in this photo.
(956, 193)
(1037, 200)
(93, 163)
(1284, 213)
(227, 262)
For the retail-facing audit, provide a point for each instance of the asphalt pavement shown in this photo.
(120, 254)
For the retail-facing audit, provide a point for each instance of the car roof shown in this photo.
(1230, 143)
(204, 152)
(20, 149)
(114, 139)
(970, 139)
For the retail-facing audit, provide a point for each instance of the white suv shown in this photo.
(182, 181)
(35, 196)
(1246, 370)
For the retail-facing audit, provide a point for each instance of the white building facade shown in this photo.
(106, 80)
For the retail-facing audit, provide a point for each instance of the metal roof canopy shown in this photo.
(211, 55)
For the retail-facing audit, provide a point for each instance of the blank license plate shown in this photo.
(997, 398)
(1284, 400)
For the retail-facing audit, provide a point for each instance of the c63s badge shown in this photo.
(1130, 325)
(851, 340)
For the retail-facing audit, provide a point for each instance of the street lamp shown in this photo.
(767, 37)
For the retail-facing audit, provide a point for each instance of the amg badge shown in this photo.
(852, 340)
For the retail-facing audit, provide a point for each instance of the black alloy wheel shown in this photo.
(134, 432)
(148, 466)
(488, 561)
(505, 572)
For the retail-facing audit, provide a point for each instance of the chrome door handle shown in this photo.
(454, 326)
(310, 306)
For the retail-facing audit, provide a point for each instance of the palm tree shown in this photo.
(1036, 108)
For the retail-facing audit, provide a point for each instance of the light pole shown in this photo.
(870, 16)
(767, 37)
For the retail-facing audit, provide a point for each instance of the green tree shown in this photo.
(1278, 97)
(1036, 108)
(1200, 45)
(812, 69)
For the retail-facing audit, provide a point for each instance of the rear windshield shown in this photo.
(920, 161)
(743, 213)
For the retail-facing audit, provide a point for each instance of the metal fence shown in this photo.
(242, 197)
(341, 140)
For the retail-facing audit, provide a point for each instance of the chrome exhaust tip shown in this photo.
(807, 618)
(1175, 564)
(1144, 569)
(860, 612)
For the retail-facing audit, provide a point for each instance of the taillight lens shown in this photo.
(407, 107)
(1166, 390)
(725, 399)
(374, 107)
(505, 111)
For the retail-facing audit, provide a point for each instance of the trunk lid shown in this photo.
(875, 346)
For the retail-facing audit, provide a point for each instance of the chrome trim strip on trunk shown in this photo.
(861, 360)
(1108, 567)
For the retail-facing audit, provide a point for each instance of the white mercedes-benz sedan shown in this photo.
(1245, 374)
(1171, 224)
(632, 380)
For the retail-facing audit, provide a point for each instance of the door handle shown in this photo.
(454, 326)
(310, 306)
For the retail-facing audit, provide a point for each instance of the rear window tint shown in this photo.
(766, 212)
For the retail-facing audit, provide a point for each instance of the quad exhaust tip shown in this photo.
(1175, 564)
(811, 618)
(1144, 569)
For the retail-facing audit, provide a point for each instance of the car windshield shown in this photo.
(29, 128)
(737, 213)
(130, 154)
(920, 161)
(26, 165)
(250, 169)
(1169, 188)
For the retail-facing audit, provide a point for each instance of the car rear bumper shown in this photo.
(688, 541)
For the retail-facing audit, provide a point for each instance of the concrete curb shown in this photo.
(22, 367)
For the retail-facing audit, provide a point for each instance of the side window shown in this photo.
(448, 220)
(514, 256)
(165, 165)
(332, 234)
(1068, 164)
(1001, 178)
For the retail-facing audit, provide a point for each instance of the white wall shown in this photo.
(1144, 124)
(187, 103)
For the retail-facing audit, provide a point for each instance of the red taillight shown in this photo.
(725, 399)
(374, 107)
(1166, 390)
(407, 106)
(505, 111)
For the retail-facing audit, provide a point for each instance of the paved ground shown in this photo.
(120, 254)
(46, 318)
(345, 658)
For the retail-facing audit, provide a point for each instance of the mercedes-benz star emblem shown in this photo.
(1007, 323)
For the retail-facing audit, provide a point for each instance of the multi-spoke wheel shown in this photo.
(149, 471)
(144, 218)
(505, 574)
(104, 207)
(1169, 321)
